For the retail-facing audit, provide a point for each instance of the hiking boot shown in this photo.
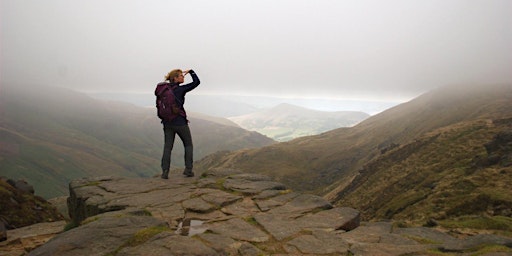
(188, 172)
(165, 174)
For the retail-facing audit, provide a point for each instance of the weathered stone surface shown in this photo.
(302, 204)
(343, 218)
(224, 212)
(171, 213)
(252, 186)
(219, 198)
(245, 208)
(377, 239)
(98, 237)
(207, 217)
(248, 249)
(221, 243)
(239, 229)
(60, 203)
(368, 233)
(282, 226)
(271, 203)
(267, 194)
(93, 196)
(22, 240)
(220, 172)
(198, 205)
(319, 242)
(279, 226)
(169, 244)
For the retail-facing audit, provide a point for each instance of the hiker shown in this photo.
(176, 122)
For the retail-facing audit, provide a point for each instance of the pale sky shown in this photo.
(378, 49)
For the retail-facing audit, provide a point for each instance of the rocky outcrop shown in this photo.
(225, 212)
(21, 185)
(20, 207)
(26, 221)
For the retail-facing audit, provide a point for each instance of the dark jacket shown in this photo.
(179, 93)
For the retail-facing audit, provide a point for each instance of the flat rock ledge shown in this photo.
(225, 212)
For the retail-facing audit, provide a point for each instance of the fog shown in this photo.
(364, 50)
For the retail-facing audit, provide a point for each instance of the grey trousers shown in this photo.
(185, 136)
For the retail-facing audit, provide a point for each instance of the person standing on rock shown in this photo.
(175, 121)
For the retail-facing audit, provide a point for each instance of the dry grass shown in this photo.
(439, 180)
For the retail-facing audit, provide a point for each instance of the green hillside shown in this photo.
(427, 160)
(51, 136)
(322, 163)
(458, 170)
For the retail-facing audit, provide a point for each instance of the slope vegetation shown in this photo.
(19, 206)
(329, 161)
(50, 136)
(455, 171)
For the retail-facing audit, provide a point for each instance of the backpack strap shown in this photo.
(171, 90)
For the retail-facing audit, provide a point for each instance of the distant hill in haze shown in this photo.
(227, 105)
(49, 136)
(285, 121)
(440, 134)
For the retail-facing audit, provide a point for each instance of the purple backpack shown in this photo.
(166, 102)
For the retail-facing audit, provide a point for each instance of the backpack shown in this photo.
(166, 102)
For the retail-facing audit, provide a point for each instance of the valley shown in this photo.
(438, 158)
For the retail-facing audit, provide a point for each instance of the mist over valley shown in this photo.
(53, 135)
(443, 159)
(286, 122)
(226, 105)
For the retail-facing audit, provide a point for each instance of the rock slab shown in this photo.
(225, 212)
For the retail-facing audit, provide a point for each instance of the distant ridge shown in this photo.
(286, 121)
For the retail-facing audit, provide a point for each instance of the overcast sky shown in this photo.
(389, 50)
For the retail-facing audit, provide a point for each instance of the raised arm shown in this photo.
(195, 80)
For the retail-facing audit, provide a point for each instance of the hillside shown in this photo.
(285, 121)
(50, 136)
(458, 170)
(330, 161)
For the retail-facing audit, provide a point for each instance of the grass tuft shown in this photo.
(144, 235)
